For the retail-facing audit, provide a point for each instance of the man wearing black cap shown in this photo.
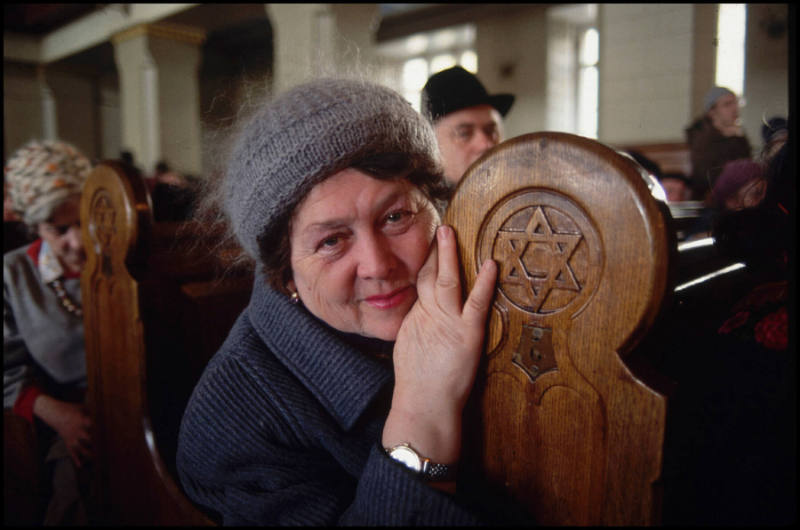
(467, 119)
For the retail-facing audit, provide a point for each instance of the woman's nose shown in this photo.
(376, 260)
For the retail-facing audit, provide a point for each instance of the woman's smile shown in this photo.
(392, 299)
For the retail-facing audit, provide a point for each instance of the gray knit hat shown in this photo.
(713, 95)
(306, 135)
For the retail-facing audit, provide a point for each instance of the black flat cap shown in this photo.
(455, 89)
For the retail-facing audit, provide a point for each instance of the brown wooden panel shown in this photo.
(140, 366)
(562, 423)
(672, 157)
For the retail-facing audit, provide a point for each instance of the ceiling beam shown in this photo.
(84, 33)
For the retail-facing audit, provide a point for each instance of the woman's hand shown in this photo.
(436, 354)
(71, 422)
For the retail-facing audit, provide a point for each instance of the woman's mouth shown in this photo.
(391, 299)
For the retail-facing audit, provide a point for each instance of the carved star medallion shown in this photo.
(537, 258)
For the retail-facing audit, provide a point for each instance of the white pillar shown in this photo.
(159, 95)
(316, 40)
(303, 42)
(49, 117)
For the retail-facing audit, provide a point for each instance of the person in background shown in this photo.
(172, 193)
(44, 362)
(739, 466)
(468, 121)
(337, 397)
(774, 133)
(126, 157)
(714, 139)
(740, 185)
(677, 187)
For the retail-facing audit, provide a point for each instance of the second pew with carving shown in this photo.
(157, 305)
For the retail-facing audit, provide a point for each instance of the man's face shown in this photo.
(725, 111)
(464, 135)
(676, 189)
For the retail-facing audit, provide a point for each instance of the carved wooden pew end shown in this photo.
(563, 424)
(155, 311)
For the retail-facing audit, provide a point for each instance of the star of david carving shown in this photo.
(546, 271)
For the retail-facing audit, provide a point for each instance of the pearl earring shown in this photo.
(295, 297)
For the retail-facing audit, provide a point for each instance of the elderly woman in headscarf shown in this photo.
(337, 397)
(44, 365)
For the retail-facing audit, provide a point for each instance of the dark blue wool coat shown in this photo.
(284, 427)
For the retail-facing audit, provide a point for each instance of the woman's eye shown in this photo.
(398, 221)
(330, 243)
(395, 217)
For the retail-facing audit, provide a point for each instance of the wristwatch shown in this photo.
(429, 471)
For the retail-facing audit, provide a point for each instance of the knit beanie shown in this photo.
(41, 175)
(734, 175)
(713, 95)
(306, 135)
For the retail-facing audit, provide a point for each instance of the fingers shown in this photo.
(438, 281)
(480, 299)
(426, 277)
(448, 282)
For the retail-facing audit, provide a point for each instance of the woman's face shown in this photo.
(357, 243)
(63, 233)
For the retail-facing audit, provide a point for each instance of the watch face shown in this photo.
(407, 456)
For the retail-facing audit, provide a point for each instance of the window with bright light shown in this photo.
(731, 25)
(425, 54)
(588, 82)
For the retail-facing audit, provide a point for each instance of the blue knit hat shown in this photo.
(308, 134)
(713, 95)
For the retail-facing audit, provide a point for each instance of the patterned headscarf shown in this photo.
(41, 175)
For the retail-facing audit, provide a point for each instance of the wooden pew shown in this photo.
(674, 158)
(156, 307)
(564, 420)
(671, 157)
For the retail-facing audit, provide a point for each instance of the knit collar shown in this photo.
(42, 255)
(332, 365)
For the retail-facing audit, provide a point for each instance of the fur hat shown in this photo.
(306, 135)
(713, 95)
(455, 89)
(41, 175)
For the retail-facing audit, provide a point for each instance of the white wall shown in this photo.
(766, 75)
(512, 54)
(645, 72)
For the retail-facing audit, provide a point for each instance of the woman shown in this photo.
(44, 364)
(355, 341)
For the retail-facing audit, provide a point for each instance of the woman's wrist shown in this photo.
(46, 409)
(433, 435)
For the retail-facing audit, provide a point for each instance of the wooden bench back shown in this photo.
(671, 157)
(561, 422)
(155, 311)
